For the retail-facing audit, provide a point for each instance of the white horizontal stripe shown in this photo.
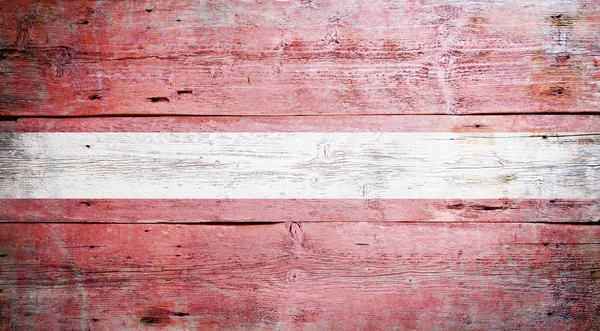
(298, 165)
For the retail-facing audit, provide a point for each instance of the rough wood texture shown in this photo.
(298, 57)
(539, 125)
(305, 165)
(300, 276)
(556, 208)
(361, 195)
(298, 210)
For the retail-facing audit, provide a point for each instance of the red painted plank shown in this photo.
(535, 124)
(298, 210)
(300, 276)
(298, 57)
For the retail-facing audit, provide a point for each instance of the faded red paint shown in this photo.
(303, 275)
(298, 210)
(366, 264)
(66, 58)
(534, 124)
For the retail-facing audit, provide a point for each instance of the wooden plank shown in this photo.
(300, 276)
(299, 210)
(298, 57)
(299, 165)
(534, 124)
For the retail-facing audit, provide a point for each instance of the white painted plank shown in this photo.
(299, 165)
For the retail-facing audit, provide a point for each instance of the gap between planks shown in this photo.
(9, 118)
(268, 223)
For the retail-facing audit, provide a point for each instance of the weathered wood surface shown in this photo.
(298, 57)
(534, 124)
(299, 165)
(360, 195)
(299, 210)
(300, 276)
(537, 132)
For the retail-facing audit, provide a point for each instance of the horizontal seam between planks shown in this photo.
(242, 223)
(8, 118)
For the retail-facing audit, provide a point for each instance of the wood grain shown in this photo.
(300, 276)
(533, 124)
(227, 57)
(584, 211)
(237, 221)
(305, 165)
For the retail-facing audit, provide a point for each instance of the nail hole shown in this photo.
(544, 137)
(95, 97)
(185, 92)
(93, 246)
(88, 146)
(552, 201)
(158, 99)
(556, 90)
(87, 203)
(178, 314)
